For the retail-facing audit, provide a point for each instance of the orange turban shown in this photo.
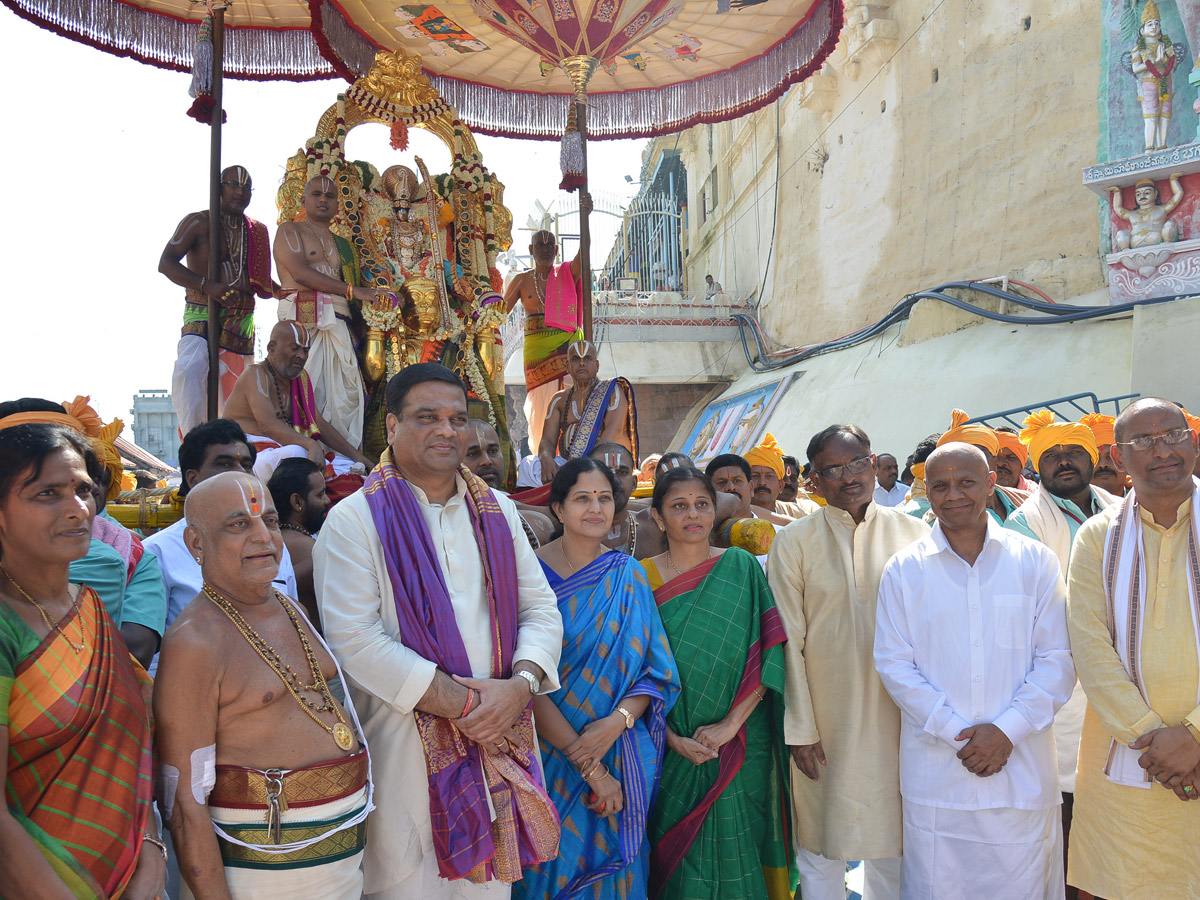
(1192, 421)
(767, 454)
(1009, 441)
(976, 435)
(1042, 432)
(79, 416)
(1102, 428)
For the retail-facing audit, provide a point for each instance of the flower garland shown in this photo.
(386, 320)
(396, 112)
(327, 156)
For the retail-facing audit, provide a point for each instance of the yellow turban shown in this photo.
(1009, 441)
(79, 416)
(1102, 428)
(767, 454)
(1042, 432)
(976, 435)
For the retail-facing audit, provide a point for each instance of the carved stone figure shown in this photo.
(1148, 222)
(1152, 62)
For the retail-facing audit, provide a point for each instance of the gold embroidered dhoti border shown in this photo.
(315, 800)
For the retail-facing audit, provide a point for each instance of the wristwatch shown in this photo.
(629, 719)
(535, 684)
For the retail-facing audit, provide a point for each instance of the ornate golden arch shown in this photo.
(393, 87)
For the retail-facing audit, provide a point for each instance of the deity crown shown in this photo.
(1150, 12)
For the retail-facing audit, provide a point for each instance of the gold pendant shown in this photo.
(343, 736)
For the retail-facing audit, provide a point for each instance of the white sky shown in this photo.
(104, 162)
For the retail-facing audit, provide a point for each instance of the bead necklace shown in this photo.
(341, 733)
(50, 625)
(288, 526)
(284, 412)
(237, 258)
(540, 289)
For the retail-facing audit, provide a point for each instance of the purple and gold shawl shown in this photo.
(467, 842)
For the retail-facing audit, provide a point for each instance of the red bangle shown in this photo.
(467, 708)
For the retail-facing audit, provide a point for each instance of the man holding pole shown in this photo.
(245, 266)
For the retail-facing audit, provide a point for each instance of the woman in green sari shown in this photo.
(719, 830)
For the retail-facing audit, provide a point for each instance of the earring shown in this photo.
(197, 560)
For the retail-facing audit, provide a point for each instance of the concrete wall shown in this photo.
(1164, 361)
(899, 391)
(890, 181)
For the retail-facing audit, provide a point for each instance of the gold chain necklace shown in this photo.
(671, 562)
(50, 625)
(341, 733)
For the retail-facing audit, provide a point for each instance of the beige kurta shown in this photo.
(1130, 843)
(825, 571)
(387, 679)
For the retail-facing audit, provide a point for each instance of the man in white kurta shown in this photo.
(971, 643)
(388, 681)
(824, 571)
(1065, 455)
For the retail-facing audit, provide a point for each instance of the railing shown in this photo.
(637, 316)
(1067, 409)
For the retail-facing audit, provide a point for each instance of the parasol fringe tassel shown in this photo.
(571, 155)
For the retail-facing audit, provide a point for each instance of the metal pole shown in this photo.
(585, 232)
(215, 242)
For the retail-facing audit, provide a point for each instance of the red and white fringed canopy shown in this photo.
(664, 64)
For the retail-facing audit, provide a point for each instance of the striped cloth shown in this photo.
(614, 647)
(79, 752)
(720, 829)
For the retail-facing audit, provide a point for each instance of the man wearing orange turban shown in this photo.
(1010, 461)
(1004, 499)
(1109, 474)
(117, 567)
(766, 479)
(1065, 455)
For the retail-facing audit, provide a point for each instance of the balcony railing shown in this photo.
(647, 316)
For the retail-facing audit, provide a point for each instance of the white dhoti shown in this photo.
(426, 884)
(270, 454)
(259, 877)
(332, 365)
(189, 380)
(1001, 854)
(537, 402)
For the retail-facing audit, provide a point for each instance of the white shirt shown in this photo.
(894, 497)
(387, 679)
(959, 645)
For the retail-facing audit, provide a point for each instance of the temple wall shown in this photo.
(892, 180)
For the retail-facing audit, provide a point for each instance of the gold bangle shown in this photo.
(592, 774)
(150, 839)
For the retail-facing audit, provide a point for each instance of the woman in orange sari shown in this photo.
(74, 723)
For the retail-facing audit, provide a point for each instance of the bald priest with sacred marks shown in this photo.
(264, 782)
(435, 604)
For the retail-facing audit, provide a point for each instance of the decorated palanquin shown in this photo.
(431, 241)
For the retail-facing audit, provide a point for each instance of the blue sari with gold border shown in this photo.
(614, 646)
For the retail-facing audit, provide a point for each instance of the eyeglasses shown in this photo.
(854, 467)
(238, 184)
(1170, 438)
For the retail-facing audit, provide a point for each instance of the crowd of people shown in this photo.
(977, 672)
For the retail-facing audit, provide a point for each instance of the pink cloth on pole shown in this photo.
(563, 309)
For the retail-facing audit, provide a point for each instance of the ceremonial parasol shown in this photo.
(511, 68)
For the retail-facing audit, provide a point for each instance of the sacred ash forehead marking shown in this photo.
(581, 348)
(239, 174)
(299, 333)
(251, 495)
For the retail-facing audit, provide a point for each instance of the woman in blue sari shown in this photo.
(602, 735)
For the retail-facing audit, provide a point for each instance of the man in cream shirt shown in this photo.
(426, 551)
